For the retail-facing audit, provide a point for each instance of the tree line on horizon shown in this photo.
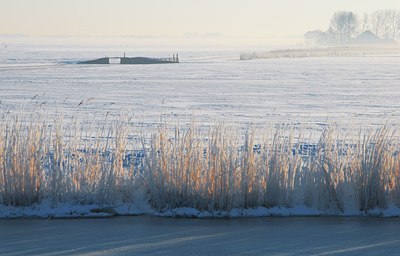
(345, 25)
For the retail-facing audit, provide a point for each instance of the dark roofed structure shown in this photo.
(368, 37)
(133, 60)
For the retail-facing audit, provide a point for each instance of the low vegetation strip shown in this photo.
(208, 170)
(349, 51)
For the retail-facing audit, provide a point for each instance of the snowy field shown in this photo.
(210, 86)
(168, 236)
(77, 172)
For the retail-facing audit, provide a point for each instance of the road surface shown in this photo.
(144, 235)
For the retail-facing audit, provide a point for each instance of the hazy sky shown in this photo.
(228, 18)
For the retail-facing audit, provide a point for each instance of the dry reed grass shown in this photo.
(220, 171)
(209, 170)
(78, 165)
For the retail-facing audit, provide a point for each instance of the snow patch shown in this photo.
(184, 212)
(187, 212)
(47, 210)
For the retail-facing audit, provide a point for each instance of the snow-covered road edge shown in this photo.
(45, 210)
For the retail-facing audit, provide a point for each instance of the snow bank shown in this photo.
(45, 210)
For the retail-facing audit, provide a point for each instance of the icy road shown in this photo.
(167, 236)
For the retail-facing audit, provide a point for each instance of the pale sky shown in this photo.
(174, 18)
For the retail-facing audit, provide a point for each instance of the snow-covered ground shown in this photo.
(142, 235)
(210, 86)
(45, 210)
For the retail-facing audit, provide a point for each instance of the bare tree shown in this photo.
(394, 23)
(364, 26)
(378, 19)
(343, 25)
(397, 26)
(386, 33)
(386, 24)
(316, 37)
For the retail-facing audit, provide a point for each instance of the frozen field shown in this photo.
(165, 236)
(70, 168)
(211, 86)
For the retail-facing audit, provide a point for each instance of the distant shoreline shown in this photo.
(339, 51)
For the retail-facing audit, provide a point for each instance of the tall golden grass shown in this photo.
(208, 169)
(40, 160)
(221, 170)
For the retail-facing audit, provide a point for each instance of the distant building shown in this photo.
(369, 38)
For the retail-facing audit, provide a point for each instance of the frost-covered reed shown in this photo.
(217, 168)
(221, 170)
(77, 165)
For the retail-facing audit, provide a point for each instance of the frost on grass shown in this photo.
(51, 169)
